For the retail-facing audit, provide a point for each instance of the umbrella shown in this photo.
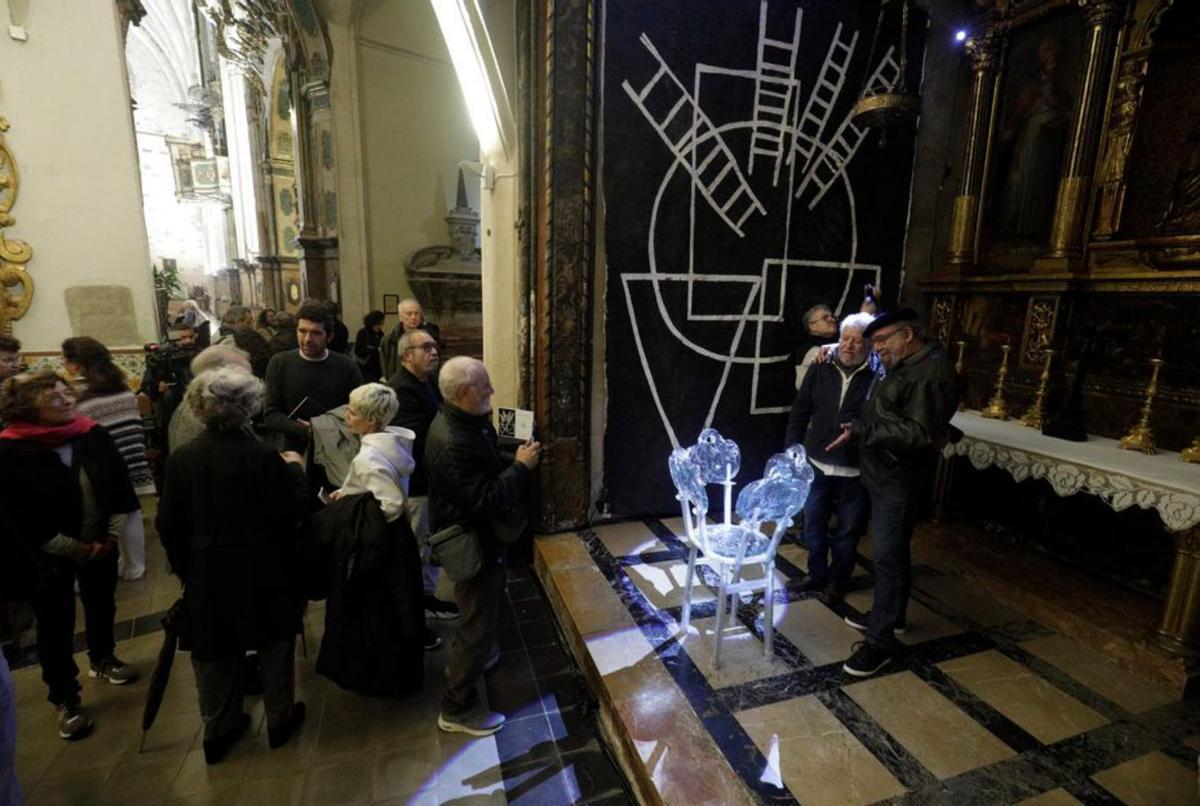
(174, 626)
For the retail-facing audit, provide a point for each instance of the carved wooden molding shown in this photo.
(16, 286)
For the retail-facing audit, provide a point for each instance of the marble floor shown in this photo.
(351, 749)
(986, 704)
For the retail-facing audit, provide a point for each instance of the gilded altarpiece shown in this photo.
(1100, 95)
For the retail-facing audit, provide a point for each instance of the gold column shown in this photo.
(1066, 231)
(983, 51)
(1179, 630)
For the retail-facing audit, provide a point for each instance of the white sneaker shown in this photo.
(476, 722)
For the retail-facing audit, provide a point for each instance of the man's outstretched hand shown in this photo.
(841, 439)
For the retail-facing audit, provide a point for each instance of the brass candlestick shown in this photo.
(958, 368)
(1191, 453)
(996, 409)
(1036, 416)
(1140, 438)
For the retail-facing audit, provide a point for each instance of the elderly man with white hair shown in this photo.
(832, 393)
(471, 485)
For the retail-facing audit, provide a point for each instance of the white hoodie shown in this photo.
(382, 467)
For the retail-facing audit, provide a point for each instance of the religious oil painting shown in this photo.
(1037, 101)
(1164, 164)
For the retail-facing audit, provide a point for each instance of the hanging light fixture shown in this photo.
(879, 106)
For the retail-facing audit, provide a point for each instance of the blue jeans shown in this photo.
(892, 521)
(847, 494)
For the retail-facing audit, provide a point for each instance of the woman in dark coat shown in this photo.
(65, 494)
(229, 519)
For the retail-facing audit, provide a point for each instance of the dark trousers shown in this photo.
(54, 606)
(219, 683)
(892, 521)
(479, 606)
(846, 494)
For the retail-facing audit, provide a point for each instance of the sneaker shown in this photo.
(216, 749)
(867, 659)
(114, 670)
(277, 736)
(432, 640)
(73, 721)
(476, 722)
(440, 610)
(860, 624)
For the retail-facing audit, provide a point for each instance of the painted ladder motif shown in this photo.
(775, 93)
(823, 97)
(700, 149)
(833, 157)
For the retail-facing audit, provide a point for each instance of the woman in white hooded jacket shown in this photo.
(368, 618)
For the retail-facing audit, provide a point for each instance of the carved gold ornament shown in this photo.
(16, 287)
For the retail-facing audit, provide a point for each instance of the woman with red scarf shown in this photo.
(65, 488)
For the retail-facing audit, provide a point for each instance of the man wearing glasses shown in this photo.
(901, 427)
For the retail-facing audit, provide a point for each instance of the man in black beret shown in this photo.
(898, 434)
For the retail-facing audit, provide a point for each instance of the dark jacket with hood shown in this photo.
(905, 420)
(469, 481)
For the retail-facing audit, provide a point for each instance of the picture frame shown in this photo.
(390, 303)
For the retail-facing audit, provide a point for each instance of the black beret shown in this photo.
(890, 318)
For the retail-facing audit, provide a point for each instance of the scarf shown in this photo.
(52, 436)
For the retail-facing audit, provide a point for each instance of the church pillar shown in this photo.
(318, 235)
(272, 281)
(983, 51)
(563, 271)
(1070, 210)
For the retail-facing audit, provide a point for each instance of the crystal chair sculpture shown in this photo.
(728, 547)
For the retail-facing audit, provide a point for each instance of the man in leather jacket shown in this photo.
(901, 427)
(471, 484)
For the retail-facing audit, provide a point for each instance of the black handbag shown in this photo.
(456, 549)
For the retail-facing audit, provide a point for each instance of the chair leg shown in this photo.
(721, 597)
(687, 590)
(769, 612)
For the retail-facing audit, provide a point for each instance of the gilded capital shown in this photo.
(983, 51)
(1101, 13)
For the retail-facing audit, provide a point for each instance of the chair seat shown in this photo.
(725, 540)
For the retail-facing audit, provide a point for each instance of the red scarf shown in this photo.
(52, 436)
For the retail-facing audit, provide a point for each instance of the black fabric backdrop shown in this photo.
(650, 206)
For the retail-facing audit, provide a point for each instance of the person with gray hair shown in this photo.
(229, 518)
(184, 425)
(472, 486)
(412, 318)
(373, 616)
(833, 392)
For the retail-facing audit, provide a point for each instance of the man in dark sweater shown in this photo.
(309, 381)
(415, 384)
(833, 393)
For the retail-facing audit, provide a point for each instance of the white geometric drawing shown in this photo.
(785, 129)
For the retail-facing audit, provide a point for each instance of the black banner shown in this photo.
(738, 193)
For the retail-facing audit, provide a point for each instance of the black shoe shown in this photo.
(834, 595)
(861, 624)
(432, 640)
(867, 659)
(216, 749)
(806, 585)
(278, 736)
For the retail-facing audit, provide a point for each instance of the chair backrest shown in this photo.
(689, 483)
(780, 494)
(717, 457)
